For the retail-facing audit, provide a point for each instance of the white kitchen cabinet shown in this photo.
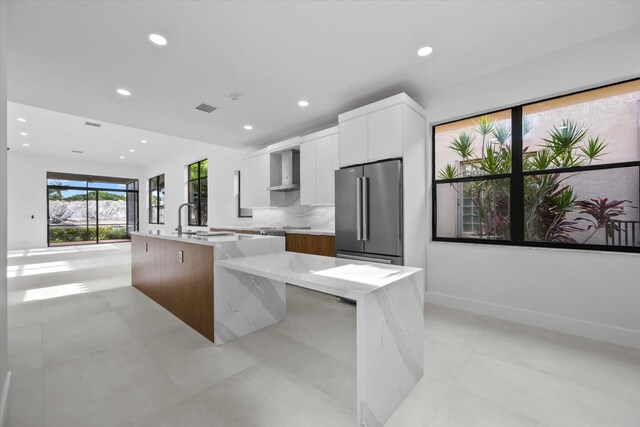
(318, 161)
(376, 131)
(308, 173)
(254, 180)
(326, 165)
(354, 141)
(385, 133)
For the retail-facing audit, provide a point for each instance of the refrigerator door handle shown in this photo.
(365, 208)
(358, 208)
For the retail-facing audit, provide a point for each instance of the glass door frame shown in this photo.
(89, 189)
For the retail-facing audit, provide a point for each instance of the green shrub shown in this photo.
(82, 234)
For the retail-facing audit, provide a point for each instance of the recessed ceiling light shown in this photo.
(248, 127)
(20, 119)
(123, 92)
(25, 145)
(24, 134)
(122, 157)
(144, 141)
(303, 103)
(132, 150)
(424, 51)
(158, 39)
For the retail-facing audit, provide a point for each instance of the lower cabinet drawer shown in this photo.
(311, 244)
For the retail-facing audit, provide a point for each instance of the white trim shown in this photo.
(319, 134)
(401, 98)
(4, 401)
(583, 328)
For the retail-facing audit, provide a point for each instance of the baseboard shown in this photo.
(583, 328)
(4, 401)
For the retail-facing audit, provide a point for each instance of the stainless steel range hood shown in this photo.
(290, 171)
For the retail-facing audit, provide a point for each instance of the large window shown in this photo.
(198, 188)
(156, 200)
(86, 209)
(563, 172)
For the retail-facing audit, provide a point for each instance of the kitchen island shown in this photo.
(390, 317)
(177, 271)
(235, 285)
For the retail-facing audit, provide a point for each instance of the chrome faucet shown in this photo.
(179, 229)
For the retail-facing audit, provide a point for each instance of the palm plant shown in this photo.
(550, 201)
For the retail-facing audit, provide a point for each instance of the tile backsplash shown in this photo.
(294, 215)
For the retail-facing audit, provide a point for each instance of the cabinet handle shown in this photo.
(180, 257)
(146, 247)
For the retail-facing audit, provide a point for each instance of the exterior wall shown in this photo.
(585, 293)
(27, 196)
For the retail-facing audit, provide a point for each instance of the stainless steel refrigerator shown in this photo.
(369, 212)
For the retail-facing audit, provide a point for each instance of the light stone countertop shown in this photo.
(201, 240)
(335, 276)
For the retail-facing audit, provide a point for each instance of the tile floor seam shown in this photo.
(504, 408)
(271, 359)
(450, 386)
(454, 387)
(635, 402)
(101, 347)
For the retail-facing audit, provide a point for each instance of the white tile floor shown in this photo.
(87, 349)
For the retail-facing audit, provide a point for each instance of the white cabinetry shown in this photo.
(318, 161)
(376, 131)
(354, 145)
(385, 133)
(254, 180)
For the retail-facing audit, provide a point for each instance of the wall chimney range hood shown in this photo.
(290, 171)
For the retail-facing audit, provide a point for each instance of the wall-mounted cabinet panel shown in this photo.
(326, 164)
(385, 133)
(308, 152)
(354, 141)
(318, 161)
(256, 177)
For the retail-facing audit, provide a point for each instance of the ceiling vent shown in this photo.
(77, 151)
(95, 125)
(206, 108)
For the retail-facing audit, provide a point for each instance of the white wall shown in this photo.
(222, 208)
(28, 192)
(5, 376)
(586, 293)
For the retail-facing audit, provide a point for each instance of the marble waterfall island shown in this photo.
(226, 287)
(177, 271)
(390, 317)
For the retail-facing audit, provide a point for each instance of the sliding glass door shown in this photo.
(89, 210)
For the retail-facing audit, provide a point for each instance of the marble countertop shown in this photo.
(315, 231)
(201, 240)
(335, 276)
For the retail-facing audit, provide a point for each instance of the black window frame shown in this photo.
(198, 202)
(155, 190)
(517, 199)
(241, 212)
(131, 191)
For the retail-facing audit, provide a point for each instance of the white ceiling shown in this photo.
(56, 134)
(70, 56)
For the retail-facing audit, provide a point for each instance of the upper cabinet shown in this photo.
(318, 162)
(376, 131)
(254, 179)
(354, 141)
(385, 133)
(262, 169)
